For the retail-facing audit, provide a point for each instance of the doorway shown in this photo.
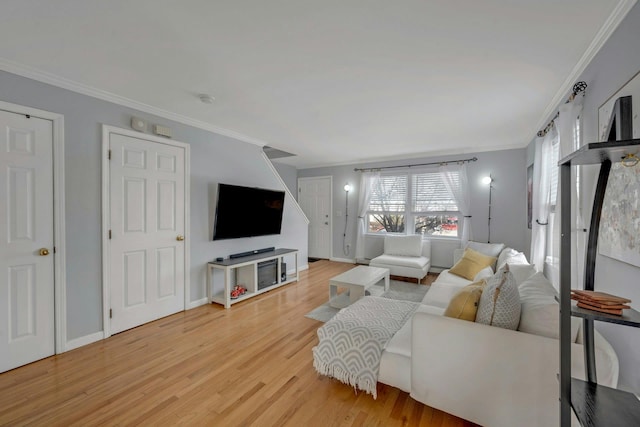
(314, 197)
(146, 210)
(31, 235)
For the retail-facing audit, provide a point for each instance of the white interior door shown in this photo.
(314, 197)
(147, 226)
(26, 240)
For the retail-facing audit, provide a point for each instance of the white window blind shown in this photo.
(389, 194)
(429, 194)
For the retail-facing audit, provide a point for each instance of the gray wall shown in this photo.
(508, 214)
(616, 63)
(214, 158)
(289, 175)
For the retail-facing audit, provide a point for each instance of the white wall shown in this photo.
(214, 158)
(616, 63)
(509, 218)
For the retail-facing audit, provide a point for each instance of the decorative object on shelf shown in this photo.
(237, 291)
(617, 109)
(630, 160)
(600, 301)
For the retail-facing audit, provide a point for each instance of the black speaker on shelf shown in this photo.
(283, 271)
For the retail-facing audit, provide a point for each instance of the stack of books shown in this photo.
(600, 301)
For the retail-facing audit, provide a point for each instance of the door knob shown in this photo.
(326, 223)
(44, 252)
(180, 238)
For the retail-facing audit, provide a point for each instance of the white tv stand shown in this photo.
(244, 271)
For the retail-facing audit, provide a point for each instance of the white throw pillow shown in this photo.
(506, 253)
(511, 256)
(540, 314)
(403, 245)
(521, 272)
(500, 302)
(485, 273)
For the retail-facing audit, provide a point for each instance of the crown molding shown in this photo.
(617, 15)
(61, 82)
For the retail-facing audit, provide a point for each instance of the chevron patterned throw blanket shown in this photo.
(351, 343)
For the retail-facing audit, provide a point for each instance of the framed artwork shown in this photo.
(529, 195)
(618, 237)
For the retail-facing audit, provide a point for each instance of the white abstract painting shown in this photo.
(620, 222)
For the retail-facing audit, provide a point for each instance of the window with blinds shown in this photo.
(389, 194)
(429, 193)
(413, 203)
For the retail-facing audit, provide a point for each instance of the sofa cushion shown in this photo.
(511, 256)
(400, 343)
(410, 245)
(521, 272)
(500, 301)
(540, 314)
(471, 263)
(397, 260)
(443, 289)
(485, 273)
(488, 249)
(464, 304)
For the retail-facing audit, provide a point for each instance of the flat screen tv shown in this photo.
(247, 212)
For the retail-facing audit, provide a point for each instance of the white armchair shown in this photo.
(406, 256)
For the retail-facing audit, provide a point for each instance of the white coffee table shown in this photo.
(357, 280)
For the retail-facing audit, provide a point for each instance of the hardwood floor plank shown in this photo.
(248, 365)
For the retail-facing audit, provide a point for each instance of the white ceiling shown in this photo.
(334, 82)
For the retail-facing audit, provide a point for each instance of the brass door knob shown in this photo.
(180, 238)
(44, 252)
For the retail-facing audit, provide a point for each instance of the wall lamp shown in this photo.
(345, 248)
(488, 180)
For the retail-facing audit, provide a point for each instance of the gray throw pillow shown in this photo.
(500, 301)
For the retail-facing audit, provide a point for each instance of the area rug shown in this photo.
(398, 290)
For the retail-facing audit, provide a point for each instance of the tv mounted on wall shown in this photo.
(247, 212)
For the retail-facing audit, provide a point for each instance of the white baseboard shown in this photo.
(301, 268)
(197, 303)
(347, 260)
(82, 341)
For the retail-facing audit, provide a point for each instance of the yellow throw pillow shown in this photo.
(464, 304)
(471, 263)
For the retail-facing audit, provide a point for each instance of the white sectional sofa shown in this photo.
(486, 374)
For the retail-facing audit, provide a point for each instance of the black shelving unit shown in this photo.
(594, 405)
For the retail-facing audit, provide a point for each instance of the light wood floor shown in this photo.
(249, 365)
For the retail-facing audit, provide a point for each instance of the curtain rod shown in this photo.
(577, 88)
(473, 159)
